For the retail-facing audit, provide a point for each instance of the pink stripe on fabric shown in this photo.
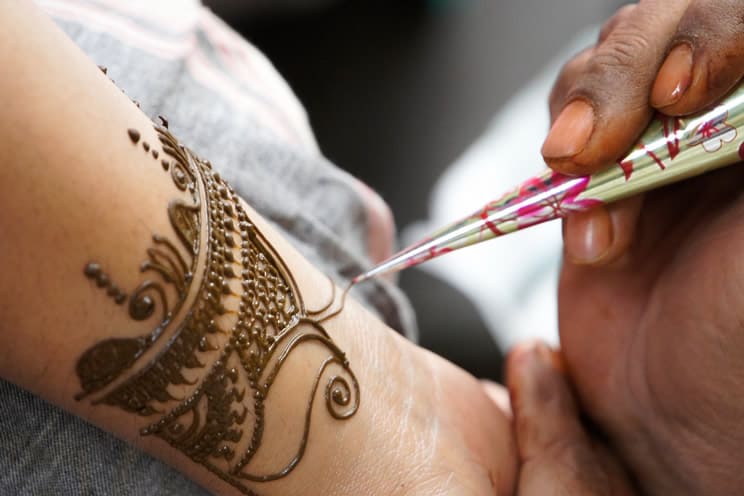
(169, 48)
(173, 16)
(276, 105)
(210, 76)
(249, 66)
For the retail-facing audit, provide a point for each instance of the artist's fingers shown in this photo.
(603, 235)
(706, 59)
(620, 16)
(557, 455)
(575, 67)
(606, 107)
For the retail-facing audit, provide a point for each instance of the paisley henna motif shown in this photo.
(219, 261)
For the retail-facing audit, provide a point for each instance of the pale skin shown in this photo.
(650, 299)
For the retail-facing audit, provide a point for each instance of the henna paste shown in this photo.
(134, 135)
(93, 271)
(217, 260)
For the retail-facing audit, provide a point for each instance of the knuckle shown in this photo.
(620, 16)
(616, 67)
(622, 50)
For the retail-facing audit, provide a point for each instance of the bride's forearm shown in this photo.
(141, 293)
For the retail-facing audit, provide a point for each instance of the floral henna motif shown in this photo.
(227, 360)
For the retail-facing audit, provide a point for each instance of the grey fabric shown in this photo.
(46, 451)
(43, 449)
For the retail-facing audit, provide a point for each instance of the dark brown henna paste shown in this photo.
(219, 261)
(93, 271)
(134, 135)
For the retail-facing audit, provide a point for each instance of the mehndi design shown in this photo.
(218, 261)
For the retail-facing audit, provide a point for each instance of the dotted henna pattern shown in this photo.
(219, 260)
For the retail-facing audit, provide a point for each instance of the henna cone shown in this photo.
(670, 150)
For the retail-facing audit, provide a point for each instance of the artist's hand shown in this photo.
(651, 302)
(558, 456)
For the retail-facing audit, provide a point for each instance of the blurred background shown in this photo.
(399, 90)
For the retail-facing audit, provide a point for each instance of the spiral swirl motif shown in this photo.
(229, 314)
(341, 400)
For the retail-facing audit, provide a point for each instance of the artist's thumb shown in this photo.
(600, 103)
(600, 106)
(557, 455)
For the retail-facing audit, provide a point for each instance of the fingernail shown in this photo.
(673, 78)
(588, 236)
(570, 132)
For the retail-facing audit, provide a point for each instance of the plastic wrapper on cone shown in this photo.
(671, 149)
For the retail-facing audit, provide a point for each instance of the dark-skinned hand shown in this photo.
(557, 455)
(651, 301)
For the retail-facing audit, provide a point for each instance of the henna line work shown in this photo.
(342, 304)
(330, 300)
(217, 366)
